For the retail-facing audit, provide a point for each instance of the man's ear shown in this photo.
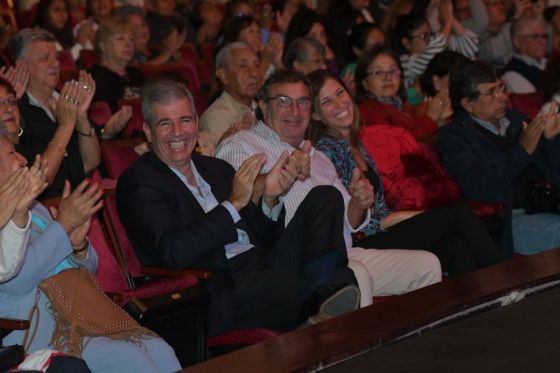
(466, 104)
(315, 117)
(222, 76)
(147, 132)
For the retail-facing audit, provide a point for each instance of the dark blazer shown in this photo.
(167, 226)
(483, 171)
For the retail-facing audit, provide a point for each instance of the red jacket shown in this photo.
(423, 128)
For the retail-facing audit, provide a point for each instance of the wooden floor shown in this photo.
(341, 338)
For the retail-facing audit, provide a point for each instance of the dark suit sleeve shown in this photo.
(482, 172)
(150, 213)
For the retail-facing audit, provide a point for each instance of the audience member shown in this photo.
(307, 23)
(17, 193)
(381, 98)
(55, 125)
(54, 16)
(452, 232)
(284, 108)
(495, 45)
(162, 19)
(183, 210)
(362, 36)
(114, 78)
(246, 29)
(523, 73)
(496, 156)
(305, 55)
(55, 245)
(237, 69)
(552, 17)
(341, 16)
(143, 54)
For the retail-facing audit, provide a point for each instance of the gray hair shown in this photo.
(25, 37)
(519, 25)
(298, 51)
(224, 55)
(163, 89)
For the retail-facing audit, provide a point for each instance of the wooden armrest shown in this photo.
(164, 272)
(14, 324)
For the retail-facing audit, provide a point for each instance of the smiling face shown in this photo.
(381, 81)
(9, 114)
(10, 160)
(174, 132)
(290, 122)
(334, 106)
(42, 61)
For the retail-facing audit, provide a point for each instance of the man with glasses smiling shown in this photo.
(285, 105)
(496, 155)
(523, 74)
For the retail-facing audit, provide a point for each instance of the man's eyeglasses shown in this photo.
(425, 36)
(536, 37)
(502, 89)
(8, 101)
(303, 103)
(382, 74)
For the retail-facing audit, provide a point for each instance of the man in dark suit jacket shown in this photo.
(182, 210)
(495, 156)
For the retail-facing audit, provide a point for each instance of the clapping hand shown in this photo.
(85, 93)
(244, 180)
(11, 192)
(37, 182)
(18, 77)
(279, 180)
(76, 209)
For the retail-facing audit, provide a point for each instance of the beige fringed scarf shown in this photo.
(81, 309)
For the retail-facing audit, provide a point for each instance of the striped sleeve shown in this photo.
(233, 152)
(414, 65)
(466, 44)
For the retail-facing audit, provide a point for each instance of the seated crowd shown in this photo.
(310, 159)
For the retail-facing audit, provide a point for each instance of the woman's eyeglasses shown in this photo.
(382, 74)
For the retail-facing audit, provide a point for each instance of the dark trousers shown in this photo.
(453, 232)
(273, 284)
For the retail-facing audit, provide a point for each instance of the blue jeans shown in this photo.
(535, 233)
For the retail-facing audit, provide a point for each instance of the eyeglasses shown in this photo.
(8, 101)
(382, 74)
(425, 36)
(536, 37)
(496, 92)
(303, 103)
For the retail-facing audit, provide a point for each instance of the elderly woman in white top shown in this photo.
(16, 195)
